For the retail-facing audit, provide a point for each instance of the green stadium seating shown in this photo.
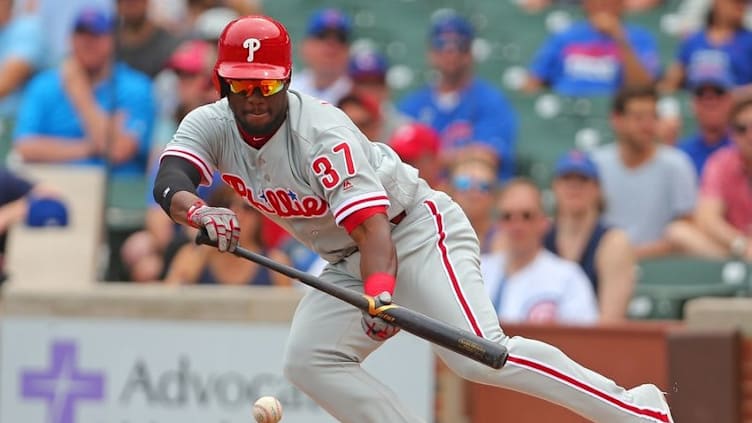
(126, 203)
(6, 138)
(664, 285)
(399, 28)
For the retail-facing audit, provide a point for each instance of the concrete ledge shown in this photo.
(157, 301)
(720, 313)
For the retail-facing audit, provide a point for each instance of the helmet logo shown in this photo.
(252, 44)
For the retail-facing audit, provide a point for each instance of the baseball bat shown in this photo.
(455, 339)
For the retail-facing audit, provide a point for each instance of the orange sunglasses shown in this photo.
(247, 86)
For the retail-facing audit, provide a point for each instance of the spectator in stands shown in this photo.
(646, 185)
(147, 253)
(596, 56)
(473, 185)
(367, 71)
(629, 5)
(711, 101)
(692, 15)
(472, 116)
(88, 110)
(206, 265)
(57, 22)
(526, 282)
(365, 113)
(723, 219)
(418, 145)
(207, 27)
(325, 53)
(22, 53)
(723, 42)
(578, 234)
(16, 194)
(192, 64)
(141, 43)
(183, 15)
(211, 22)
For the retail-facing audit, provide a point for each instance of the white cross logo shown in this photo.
(252, 44)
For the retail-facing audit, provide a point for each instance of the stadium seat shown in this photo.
(664, 285)
(6, 141)
(126, 203)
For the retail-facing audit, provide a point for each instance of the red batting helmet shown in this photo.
(253, 47)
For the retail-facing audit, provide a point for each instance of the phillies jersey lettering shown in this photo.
(283, 202)
(313, 173)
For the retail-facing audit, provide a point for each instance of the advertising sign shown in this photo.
(146, 371)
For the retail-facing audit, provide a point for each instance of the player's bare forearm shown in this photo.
(53, 149)
(377, 252)
(181, 202)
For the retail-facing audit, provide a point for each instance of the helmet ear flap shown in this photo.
(224, 87)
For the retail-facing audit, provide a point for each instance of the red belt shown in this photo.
(397, 219)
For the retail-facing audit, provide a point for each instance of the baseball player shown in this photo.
(304, 164)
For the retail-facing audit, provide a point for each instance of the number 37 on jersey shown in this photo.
(328, 172)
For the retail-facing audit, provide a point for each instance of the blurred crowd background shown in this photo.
(602, 149)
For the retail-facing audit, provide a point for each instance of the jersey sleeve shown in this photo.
(193, 142)
(339, 166)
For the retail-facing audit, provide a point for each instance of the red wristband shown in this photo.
(378, 283)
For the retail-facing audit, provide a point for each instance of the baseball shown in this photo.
(267, 410)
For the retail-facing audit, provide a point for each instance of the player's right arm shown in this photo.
(175, 191)
(175, 187)
(187, 161)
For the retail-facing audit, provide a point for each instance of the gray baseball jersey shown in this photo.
(314, 172)
(317, 170)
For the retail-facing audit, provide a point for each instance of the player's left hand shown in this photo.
(376, 328)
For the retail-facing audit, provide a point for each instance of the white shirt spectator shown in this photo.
(549, 289)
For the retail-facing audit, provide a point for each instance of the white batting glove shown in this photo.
(221, 225)
(376, 328)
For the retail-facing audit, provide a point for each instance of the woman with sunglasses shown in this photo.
(578, 234)
(383, 231)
